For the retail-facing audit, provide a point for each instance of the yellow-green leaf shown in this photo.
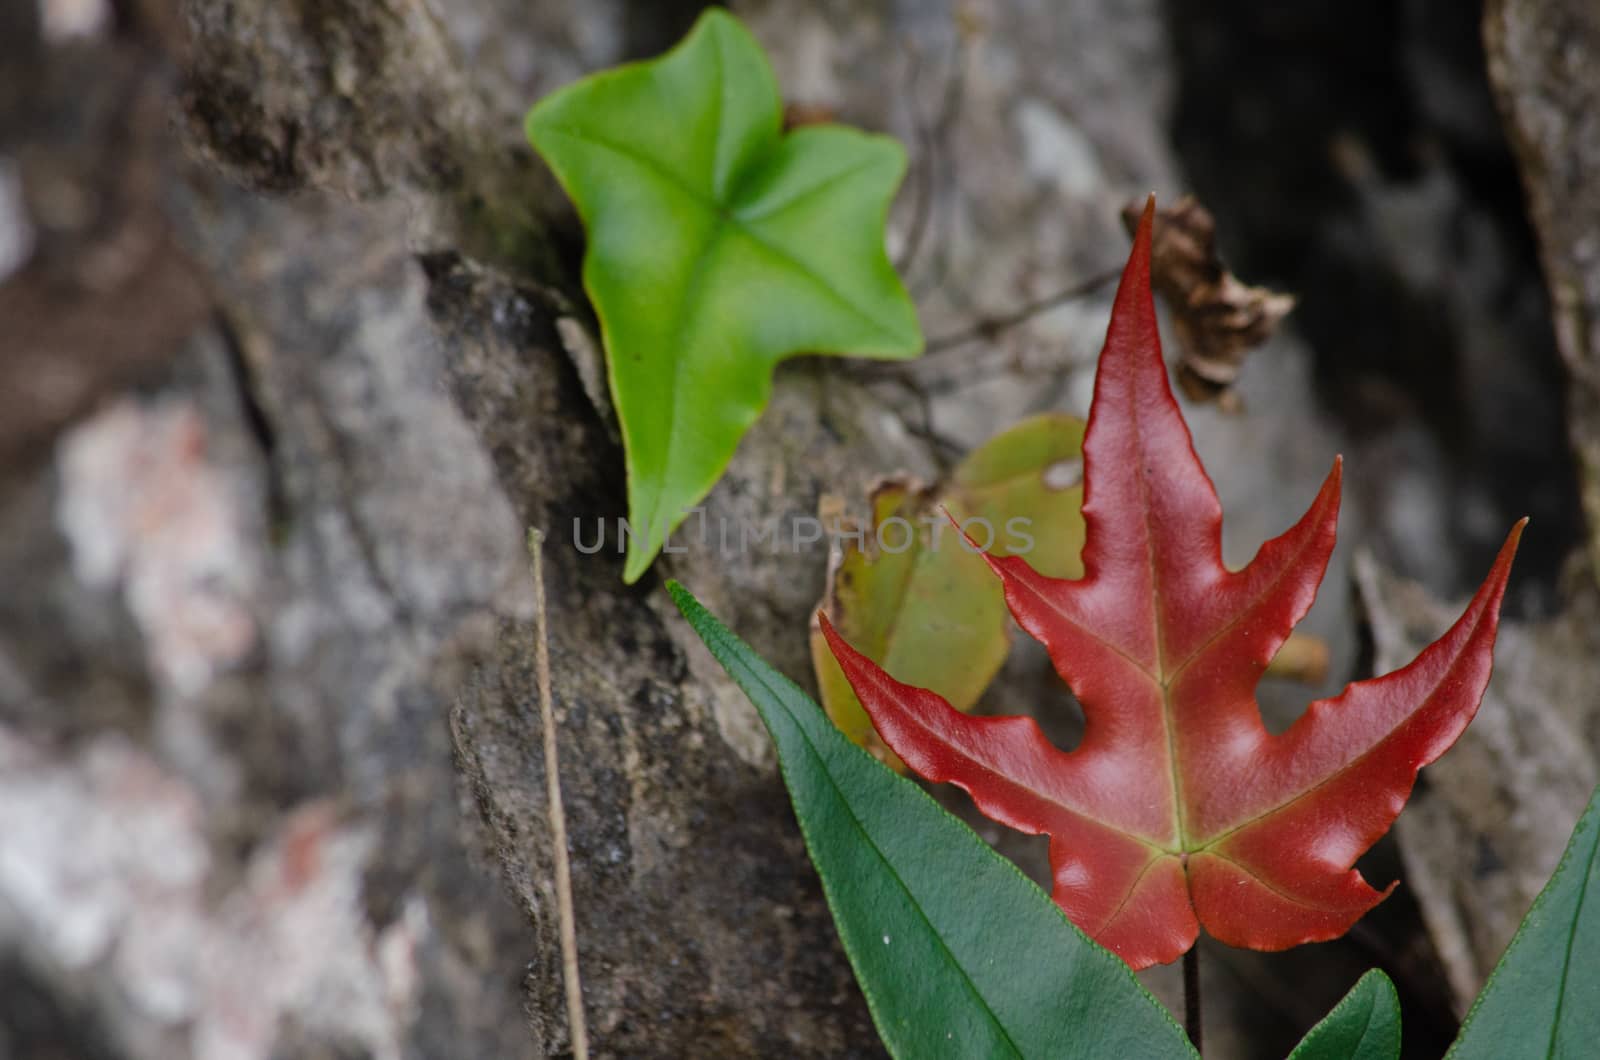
(919, 602)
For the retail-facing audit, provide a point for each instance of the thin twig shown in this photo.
(931, 138)
(990, 327)
(1191, 994)
(920, 179)
(577, 1028)
(944, 450)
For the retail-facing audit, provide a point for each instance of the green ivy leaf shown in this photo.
(958, 953)
(1543, 998)
(718, 246)
(1364, 1026)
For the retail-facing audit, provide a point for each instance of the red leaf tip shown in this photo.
(1138, 267)
(1508, 549)
(1147, 219)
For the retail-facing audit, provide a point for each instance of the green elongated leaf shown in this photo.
(1543, 998)
(958, 953)
(718, 245)
(1364, 1026)
(922, 603)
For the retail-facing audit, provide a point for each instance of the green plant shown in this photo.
(704, 261)
(959, 955)
(1179, 810)
(888, 855)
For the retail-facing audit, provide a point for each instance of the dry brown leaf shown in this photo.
(798, 113)
(1218, 319)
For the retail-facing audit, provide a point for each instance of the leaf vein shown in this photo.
(832, 179)
(1267, 885)
(1255, 601)
(1128, 895)
(1010, 781)
(1566, 961)
(1350, 764)
(724, 217)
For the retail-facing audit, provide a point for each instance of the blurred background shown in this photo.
(293, 345)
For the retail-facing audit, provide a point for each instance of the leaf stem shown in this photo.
(1191, 994)
(576, 1027)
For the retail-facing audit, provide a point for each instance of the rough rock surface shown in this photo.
(1541, 60)
(1353, 155)
(294, 348)
(1490, 819)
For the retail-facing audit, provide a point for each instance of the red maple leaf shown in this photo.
(1179, 809)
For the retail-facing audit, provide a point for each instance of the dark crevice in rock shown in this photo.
(524, 317)
(1352, 155)
(40, 1022)
(257, 423)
